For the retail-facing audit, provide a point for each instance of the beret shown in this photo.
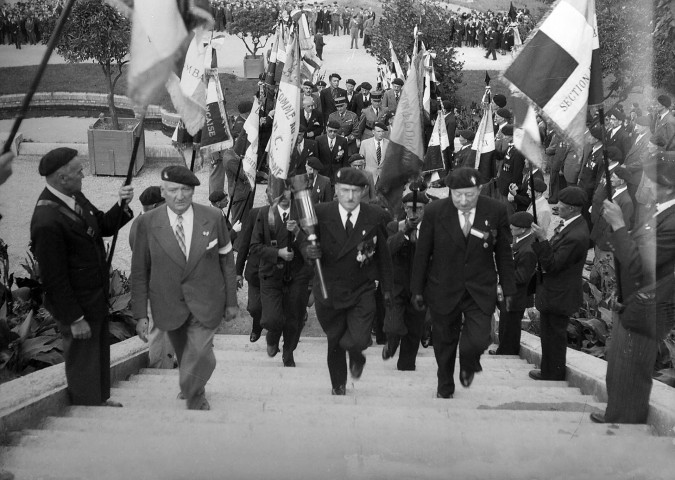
(355, 157)
(643, 120)
(376, 95)
(539, 185)
(447, 105)
(614, 154)
(421, 198)
(596, 132)
(398, 81)
(621, 172)
(333, 124)
(618, 114)
(340, 100)
(500, 100)
(307, 83)
(55, 159)
(381, 125)
(507, 130)
(658, 140)
(366, 86)
(660, 168)
(467, 134)
(321, 83)
(351, 81)
(150, 196)
(217, 196)
(463, 177)
(573, 196)
(504, 112)
(351, 176)
(664, 100)
(245, 106)
(521, 219)
(334, 75)
(315, 163)
(180, 174)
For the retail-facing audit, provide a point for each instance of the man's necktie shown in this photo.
(379, 154)
(467, 223)
(284, 218)
(180, 234)
(78, 209)
(331, 144)
(349, 226)
(376, 114)
(559, 228)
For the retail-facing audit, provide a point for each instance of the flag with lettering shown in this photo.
(557, 70)
(247, 143)
(216, 135)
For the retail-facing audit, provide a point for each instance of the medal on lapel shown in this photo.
(205, 233)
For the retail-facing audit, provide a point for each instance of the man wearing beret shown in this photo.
(359, 161)
(183, 265)
(67, 240)
(403, 324)
(332, 150)
(374, 150)
(350, 85)
(354, 256)
(462, 239)
(559, 294)
(592, 163)
(617, 136)
(464, 156)
(512, 309)
(362, 99)
(328, 96)
(320, 187)
(513, 165)
(349, 125)
(647, 257)
(391, 97)
(370, 116)
(521, 195)
(664, 122)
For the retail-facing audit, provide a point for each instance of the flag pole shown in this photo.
(56, 34)
(192, 161)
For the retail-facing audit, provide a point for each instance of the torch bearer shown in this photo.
(308, 220)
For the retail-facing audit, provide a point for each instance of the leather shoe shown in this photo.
(386, 354)
(111, 403)
(272, 350)
(288, 359)
(356, 363)
(492, 351)
(339, 390)
(466, 378)
(254, 336)
(598, 417)
(536, 375)
(199, 403)
(439, 395)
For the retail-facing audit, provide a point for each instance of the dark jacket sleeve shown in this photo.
(244, 241)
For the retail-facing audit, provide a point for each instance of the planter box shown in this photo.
(254, 65)
(110, 150)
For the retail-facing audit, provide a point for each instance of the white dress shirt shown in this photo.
(188, 222)
(344, 212)
(70, 201)
(472, 217)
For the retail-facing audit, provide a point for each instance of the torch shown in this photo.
(308, 220)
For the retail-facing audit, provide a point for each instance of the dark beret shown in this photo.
(463, 177)
(355, 157)
(321, 83)
(376, 95)
(618, 114)
(334, 75)
(366, 86)
(351, 176)
(245, 106)
(180, 174)
(340, 100)
(447, 105)
(217, 196)
(643, 120)
(421, 198)
(307, 83)
(500, 100)
(658, 140)
(468, 134)
(507, 130)
(381, 125)
(664, 100)
(351, 81)
(660, 168)
(574, 196)
(521, 219)
(55, 159)
(596, 132)
(622, 172)
(504, 113)
(398, 81)
(333, 124)
(151, 196)
(614, 154)
(539, 185)
(315, 163)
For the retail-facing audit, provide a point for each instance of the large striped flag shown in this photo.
(439, 146)
(526, 136)
(397, 65)
(403, 159)
(247, 144)
(558, 69)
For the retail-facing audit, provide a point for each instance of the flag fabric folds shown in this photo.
(216, 135)
(439, 144)
(250, 149)
(557, 69)
(484, 141)
(397, 65)
(526, 136)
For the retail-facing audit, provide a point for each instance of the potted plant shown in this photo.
(98, 32)
(257, 23)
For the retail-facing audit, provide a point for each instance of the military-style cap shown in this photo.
(351, 81)
(539, 185)
(621, 172)
(664, 100)
(573, 196)
(366, 86)
(307, 83)
(421, 198)
(618, 114)
(55, 159)
(507, 130)
(333, 124)
(356, 157)
(463, 177)
(614, 154)
(521, 219)
(643, 120)
(351, 176)
(180, 174)
(376, 95)
(151, 196)
(217, 196)
(334, 75)
(245, 106)
(340, 100)
(315, 163)
(320, 83)
(467, 134)
(381, 125)
(504, 113)
(398, 81)
(500, 100)
(660, 168)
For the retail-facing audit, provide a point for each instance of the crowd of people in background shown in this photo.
(25, 22)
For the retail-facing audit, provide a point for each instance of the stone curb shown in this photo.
(156, 152)
(587, 373)
(25, 401)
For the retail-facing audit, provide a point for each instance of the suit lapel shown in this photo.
(201, 233)
(451, 223)
(79, 226)
(362, 228)
(334, 225)
(480, 223)
(166, 238)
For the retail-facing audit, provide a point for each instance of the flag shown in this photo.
(439, 144)
(484, 141)
(512, 13)
(526, 136)
(247, 144)
(397, 66)
(286, 116)
(429, 77)
(557, 69)
(404, 157)
(216, 135)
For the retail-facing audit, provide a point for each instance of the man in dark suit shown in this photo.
(617, 135)
(332, 151)
(513, 165)
(591, 168)
(246, 267)
(521, 195)
(219, 162)
(559, 294)
(350, 85)
(304, 148)
(320, 187)
(354, 255)
(66, 238)
(328, 96)
(638, 151)
(664, 121)
(183, 264)
(465, 156)
(493, 36)
(362, 99)
(310, 119)
(467, 235)
(284, 275)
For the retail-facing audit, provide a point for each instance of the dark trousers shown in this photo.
(492, 51)
(347, 330)
(474, 325)
(380, 315)
(254, 304)
(283, 309)
(553, 345)
(88, 364)
(556, 183)
(509, 332)
(404, 326)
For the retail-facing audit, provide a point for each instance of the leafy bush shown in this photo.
(257, 23)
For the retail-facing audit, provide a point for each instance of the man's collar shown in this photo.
(343, 211)
(662, 207)
(173, 215)
(518, 239)
(570, 220)
(68, 200)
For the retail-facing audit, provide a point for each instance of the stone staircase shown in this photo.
(267, 421)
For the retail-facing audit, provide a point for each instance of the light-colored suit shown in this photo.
(389, 100)
(369, 151)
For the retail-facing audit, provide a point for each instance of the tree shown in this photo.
(397, 24)
(96, 31)
(257, 23)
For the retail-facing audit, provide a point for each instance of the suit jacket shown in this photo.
(360, 103)
(332, 160)
(369, 150)
(590, 171)
(177, 287)
(622, 141)
(633, 160)
(522, 199)
(321, 191)
(299, 160)
(525, 263)
(315, 124)
(464, 157)
(345, 277)
(368, 119)
(349, 125)
(562, 260)
(237, 126)
(238, 187)
(351, 102)
(511, 170)
(247, 261)
(451, 127)
(328, 101)
(402, 251)
(601, 229)
(447, 264)
(389, 100)
(666, 129)
(69, 248)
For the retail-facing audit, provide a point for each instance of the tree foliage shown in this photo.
(257, 23)
(397, 24)
(98, 32)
